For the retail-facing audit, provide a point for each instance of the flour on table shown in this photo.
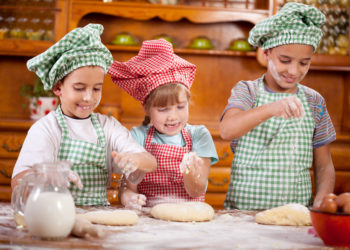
(185, 211)
(287, 215)
(112, 218)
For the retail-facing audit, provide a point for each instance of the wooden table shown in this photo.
(228, 230)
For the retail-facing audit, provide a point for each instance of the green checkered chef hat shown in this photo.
(80, 47)
(294, 23)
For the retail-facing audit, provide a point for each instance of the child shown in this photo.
(75, 69)
(278, 126)
(160, 80)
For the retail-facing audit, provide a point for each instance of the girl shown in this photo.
(278, 126)
(161, 81)
(75, 69)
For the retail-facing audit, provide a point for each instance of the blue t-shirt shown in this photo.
(202, 142)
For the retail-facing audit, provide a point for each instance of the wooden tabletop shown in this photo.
(228, 230)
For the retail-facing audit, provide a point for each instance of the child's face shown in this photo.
(80, 92)
(287, 66)
(170, 119)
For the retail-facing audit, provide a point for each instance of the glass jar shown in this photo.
(42, 203)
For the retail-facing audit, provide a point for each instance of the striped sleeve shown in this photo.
(243, 96)
(324, 132)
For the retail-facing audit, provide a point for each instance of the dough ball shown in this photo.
(185, 211)
(112, 218)
(287, 215)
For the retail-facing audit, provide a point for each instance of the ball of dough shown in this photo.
(287, 215)
(185, 211)
(112, 218)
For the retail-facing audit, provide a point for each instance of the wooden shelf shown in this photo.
(17, 47)
(319, 62)
(170, 13)
(330, 62)
(31, 8)
(188, 51)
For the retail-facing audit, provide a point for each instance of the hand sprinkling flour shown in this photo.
(125, 162)
(190, 161)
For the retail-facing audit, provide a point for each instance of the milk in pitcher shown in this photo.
(50, 215)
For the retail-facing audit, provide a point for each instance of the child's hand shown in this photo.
(74, 178)
(191, 164)
(59, 180)
(133, 200)
(288, 107)
(125, 162)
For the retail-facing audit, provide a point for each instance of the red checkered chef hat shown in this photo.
(155, 65)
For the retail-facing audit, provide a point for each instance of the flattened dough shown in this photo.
(185, 212)
(287, 215)
(112, 218)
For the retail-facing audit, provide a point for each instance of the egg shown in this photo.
(328, 205)
(342, 199)
(346, 208)
(330, 196)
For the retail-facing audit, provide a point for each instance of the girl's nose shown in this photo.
(172, 115)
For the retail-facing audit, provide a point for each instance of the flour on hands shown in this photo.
(190, 162)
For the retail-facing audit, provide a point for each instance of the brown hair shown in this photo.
(167, 94)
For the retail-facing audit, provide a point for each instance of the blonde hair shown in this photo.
(167, 94)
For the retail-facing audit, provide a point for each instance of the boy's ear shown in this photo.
(261, 56)
(57, 88)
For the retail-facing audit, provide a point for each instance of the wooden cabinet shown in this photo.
(12, 135)
(219, 69)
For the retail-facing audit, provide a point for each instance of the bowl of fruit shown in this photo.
(331, 220)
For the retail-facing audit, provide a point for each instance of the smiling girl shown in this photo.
(279, 127)
(161, 81)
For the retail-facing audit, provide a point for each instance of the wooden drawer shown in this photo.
(5, 193)
(11, 144)
(224, 152)
(215, 199)
(6, 168)
(219, 179)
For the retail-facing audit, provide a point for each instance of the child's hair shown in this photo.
(167, 94)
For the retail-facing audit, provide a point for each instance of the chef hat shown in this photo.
(155, 65)
(80, 47)
(294, 23)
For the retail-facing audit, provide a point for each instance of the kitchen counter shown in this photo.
(231, 229)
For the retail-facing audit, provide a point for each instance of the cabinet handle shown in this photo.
(8, 149)
(4, 173)
(214, 183)
(223, 157)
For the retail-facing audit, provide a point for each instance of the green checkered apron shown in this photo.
(272, 162)
(89, 161)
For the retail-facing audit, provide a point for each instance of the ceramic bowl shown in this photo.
(201, 42)
(240, 45)
(165, 37)
(333, 228)
(125, 38)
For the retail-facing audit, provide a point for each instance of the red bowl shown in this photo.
(333, 228)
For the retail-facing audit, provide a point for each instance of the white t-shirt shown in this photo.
(43, 140)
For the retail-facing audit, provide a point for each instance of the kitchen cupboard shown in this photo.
(219, 69)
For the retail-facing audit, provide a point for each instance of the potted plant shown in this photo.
(41, 101)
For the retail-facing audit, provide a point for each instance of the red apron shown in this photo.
(166, 184)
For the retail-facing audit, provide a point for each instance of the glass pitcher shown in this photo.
(42, 203)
